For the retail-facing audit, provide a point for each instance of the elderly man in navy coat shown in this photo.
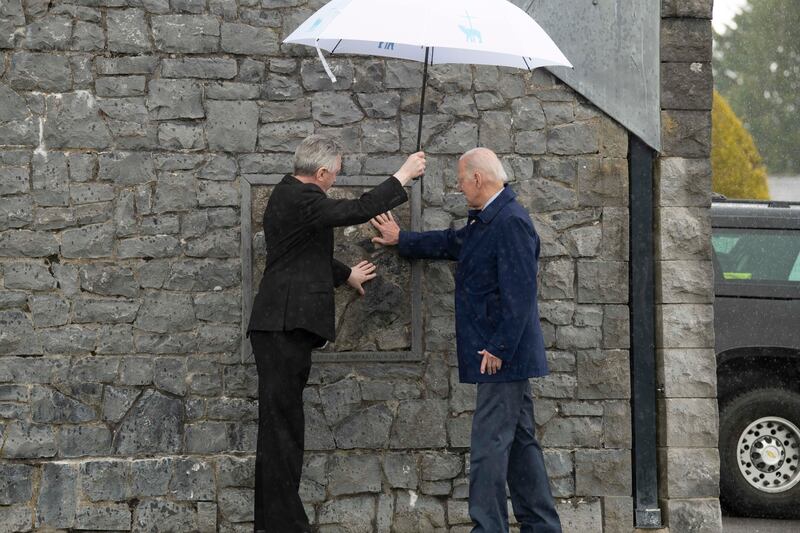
(499, 341)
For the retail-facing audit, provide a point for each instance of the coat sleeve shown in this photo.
(443, 244)
(340, 272)
(321, 211)
(517, 255)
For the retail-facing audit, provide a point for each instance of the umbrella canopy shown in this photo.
(481, 32)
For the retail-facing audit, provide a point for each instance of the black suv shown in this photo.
(757, 326)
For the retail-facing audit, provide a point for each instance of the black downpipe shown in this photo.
(642, 315)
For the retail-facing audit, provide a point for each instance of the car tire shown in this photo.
(759, 445)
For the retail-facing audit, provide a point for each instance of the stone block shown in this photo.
(358, 512)
(688, 472)
(459, 430)
(580, 515)
(199, 67)
(688, 422)
(685, 282)
(686, 8)
(603, 374)
(16, 483)
(414, 513)
(126, 168)
(155, 246)
(340, 399)
(105, 480)
(16, 517)
(109, 516)
(560, 471)
(577, 431)
(163, 516)
(441, 466)
(697, 515)
(495, 131)
(602, 281)
(575, 337)
(26, 440)
(175, 191)
(229, 90)
(686, 39)
(334, 109)
(420, 424)
(238, 471)
(615, 234)
(88, 242)
(603, 472)
(18, 335)
(128, 31)
(602, 182)
(49, 179)
(15, 212)
(686, 85)
(617, 514)
(687, 373)
(14, 180)
(186, 33)
(192, 479)
(249, 40)
(617, 424)
(114, 66)
(236, 504)
(556, 385)
(171, 99)
(28, 276)
(683, 233)
(380, 136)
(39, 71)
(84, 440)
(686, 133)
(55, 506)
(685, 326)
(366, 428)
(217, 194)
(682, 182)
(353, 474)
(50, 406)
(557, 279)
(153, 426)
(573, 139)
(73, 121)
(616, 326)
(232, 126)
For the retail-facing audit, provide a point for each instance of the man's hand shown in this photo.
(412, 168)
(390, 231)
(490, 363)
(360, 274)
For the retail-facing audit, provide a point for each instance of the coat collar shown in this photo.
(488, 214)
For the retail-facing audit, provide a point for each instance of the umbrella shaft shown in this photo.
(422, 99)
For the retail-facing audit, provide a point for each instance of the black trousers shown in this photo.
(283, 361)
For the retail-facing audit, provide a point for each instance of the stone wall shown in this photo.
(125, 404)
(685, 357)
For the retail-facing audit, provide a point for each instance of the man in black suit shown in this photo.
(293, 311)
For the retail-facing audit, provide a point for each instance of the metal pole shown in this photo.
(422, 99)
(642, 313)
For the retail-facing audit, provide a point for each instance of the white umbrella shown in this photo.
(481, 32)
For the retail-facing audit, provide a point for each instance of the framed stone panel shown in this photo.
(383, 325)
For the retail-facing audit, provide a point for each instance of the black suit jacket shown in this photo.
(296, 291)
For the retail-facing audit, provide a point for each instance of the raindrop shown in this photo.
(773, 67)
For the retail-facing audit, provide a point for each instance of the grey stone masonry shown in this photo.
(685, 358)
(130, 131)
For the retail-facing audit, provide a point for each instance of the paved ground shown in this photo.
(755, 525)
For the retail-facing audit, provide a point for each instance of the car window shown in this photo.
(757, 255)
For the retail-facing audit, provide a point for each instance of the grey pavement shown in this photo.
(732, 524)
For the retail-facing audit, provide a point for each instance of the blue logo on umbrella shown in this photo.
(472, 35)
(386, 46)
(316, 23)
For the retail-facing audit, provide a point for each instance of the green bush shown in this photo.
(738, 171)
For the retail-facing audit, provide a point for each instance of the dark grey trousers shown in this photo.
(505, 449)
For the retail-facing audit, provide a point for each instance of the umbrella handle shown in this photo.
(324, 63)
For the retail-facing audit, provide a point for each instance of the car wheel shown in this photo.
(759, 446)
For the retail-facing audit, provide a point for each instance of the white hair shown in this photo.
(486, 162)
(316, 151)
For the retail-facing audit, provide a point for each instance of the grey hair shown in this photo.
(316, 151)
(486, 162)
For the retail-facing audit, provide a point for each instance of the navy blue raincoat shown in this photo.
(496, 309)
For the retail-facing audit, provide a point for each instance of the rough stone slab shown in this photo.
(217, 194)
(249, 40)
(557, 279)
(50, 406)
(688, 472)
(49, 179)
(581, 431)
(16, 517)
(617, 424)
(163, 516)
(170, 99)
(105, 480)
(685, 282)
(192, 479)
(416, 423)
(186, 33)
(15, 212)
(69, 339)
(701, 9)
(18, 335)
(128, 31)
(232, 126)
(106, 311)
(153, 426)
(686, 39)
(683, 182)
(685, 326)
(127, 168)
(39, 71)
(602, 281)
(154, 246)
(114, 66)
(696, 515)
(236, 504)
(353, 474)
(73, 121)
(209, 437)
(30, 276)
(684, 233)
(418, 513)
(367, 428)
(14, 180)
(686, 85)
(199, 67)
(358, 512)
(150, 477)
(602, 182)
(110, 516)
(84, 440)
(686, 133)
(88, 242)
(603, 472)
(16, 483)
(55, 506)
(688, 422)
(603, 374)
(687, 373)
